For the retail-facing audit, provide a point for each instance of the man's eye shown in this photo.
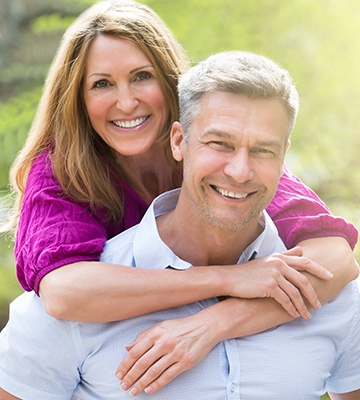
(219, 145)
(264, 152)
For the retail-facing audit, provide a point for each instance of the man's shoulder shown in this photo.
(119, 248)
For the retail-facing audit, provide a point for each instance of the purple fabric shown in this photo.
(55, 231)
(299, 214)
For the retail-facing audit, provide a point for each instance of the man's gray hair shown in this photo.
(236, 72)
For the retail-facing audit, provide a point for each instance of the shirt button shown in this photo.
(232, 388)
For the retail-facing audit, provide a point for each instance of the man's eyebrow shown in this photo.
(270, 143)
(225, 135)
(214, 132)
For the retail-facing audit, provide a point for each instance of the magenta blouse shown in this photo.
(54, 230)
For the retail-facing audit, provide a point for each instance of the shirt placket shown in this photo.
(233, 382)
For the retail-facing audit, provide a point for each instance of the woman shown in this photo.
(98, 153)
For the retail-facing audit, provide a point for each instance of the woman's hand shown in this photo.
(278, 276)
(164, 351)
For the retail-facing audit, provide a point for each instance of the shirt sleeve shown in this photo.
(345, 374)
(53, 230)
(299, 214)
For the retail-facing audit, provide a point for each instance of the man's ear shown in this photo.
(177, 141)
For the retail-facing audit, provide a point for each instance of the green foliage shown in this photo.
(51, 23)
(15, 119)
(9, 287)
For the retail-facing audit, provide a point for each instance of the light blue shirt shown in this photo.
(299, 360)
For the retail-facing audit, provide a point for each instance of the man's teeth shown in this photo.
(130, 124)
(231, 194)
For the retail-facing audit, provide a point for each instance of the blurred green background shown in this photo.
(318, 41)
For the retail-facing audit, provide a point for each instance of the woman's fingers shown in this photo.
(166, 350)
(293, 258)
(162, 370)
(140, 349)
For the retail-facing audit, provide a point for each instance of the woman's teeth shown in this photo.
(130, 124)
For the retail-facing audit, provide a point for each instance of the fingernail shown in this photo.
(148, 389)
(329, 274)
(119, 376)
(124, 386)
(133, 391)
(318, 304)
(308, 315)
(129, 346)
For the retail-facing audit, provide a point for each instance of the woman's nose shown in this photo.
(126, 100)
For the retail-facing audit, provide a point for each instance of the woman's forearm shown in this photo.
(102, 292)
(333, 253)
(243, 317)
(230, 318)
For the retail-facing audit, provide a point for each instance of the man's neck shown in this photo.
(196, 241)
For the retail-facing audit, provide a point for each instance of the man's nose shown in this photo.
(239, 166)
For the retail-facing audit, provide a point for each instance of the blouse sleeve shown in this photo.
(299, 214)
(53, 230)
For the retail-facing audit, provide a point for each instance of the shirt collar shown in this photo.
(149, 250)
(266, 243)
(152, 253)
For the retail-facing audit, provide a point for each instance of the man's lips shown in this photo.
(231, 194)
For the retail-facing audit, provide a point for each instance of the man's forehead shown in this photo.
(230, 116)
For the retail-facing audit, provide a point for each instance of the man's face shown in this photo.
(234, 157)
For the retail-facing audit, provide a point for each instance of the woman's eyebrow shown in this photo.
(99, 74)
(131, 72)
(139, 68)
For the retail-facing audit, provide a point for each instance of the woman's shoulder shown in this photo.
(41, 173)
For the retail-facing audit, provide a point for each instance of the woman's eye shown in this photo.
(101, 84)
(143, 75)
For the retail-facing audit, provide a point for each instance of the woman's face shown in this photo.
(123, 97)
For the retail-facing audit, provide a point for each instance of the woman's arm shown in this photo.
(109, 292)
(334, 253)
(58, 243)
(355, 395)
(303, 219)
(299, 214)
(172, 347)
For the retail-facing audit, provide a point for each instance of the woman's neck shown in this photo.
(150, 174)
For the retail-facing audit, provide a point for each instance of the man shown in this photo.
(237, 112)
(236, 119)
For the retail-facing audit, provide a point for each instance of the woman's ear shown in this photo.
(177, 141)
(288, 144)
